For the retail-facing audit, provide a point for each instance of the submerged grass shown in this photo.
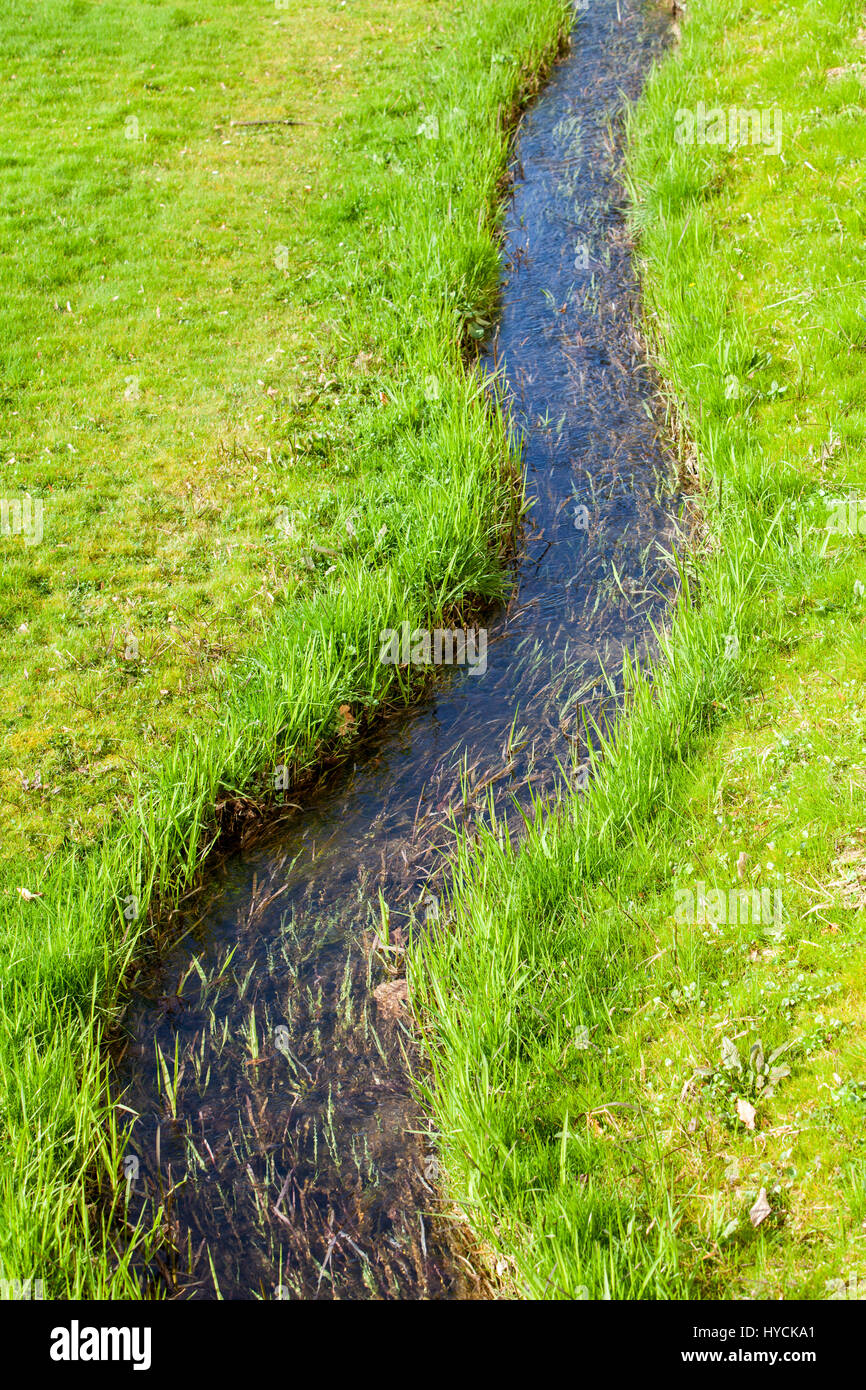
(413, 528)
(612, 1119)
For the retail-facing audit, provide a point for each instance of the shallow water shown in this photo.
(279, 1128)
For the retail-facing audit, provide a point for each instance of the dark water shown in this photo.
(279, 1127)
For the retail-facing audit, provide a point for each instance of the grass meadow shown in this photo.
(252, 250)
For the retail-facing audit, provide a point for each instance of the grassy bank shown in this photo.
(244, 410)
(638, 1097)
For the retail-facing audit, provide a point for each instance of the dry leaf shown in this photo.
(742, 861)
(28, 896)
(391, 996)
(345, 720)
(761, 1210)
(746, 1112)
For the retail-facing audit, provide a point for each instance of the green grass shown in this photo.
(593, 1058)
(240, 490)
(216, 356)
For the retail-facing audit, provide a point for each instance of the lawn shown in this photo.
(203, 378)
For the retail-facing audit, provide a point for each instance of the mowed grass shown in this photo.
(633, 1104)
(205, 354)
(162, 352)
(238, 378)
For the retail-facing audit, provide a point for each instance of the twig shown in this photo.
(275, 121)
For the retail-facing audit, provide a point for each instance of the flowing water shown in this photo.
(267, 1055)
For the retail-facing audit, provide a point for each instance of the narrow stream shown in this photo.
(271, 1093)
